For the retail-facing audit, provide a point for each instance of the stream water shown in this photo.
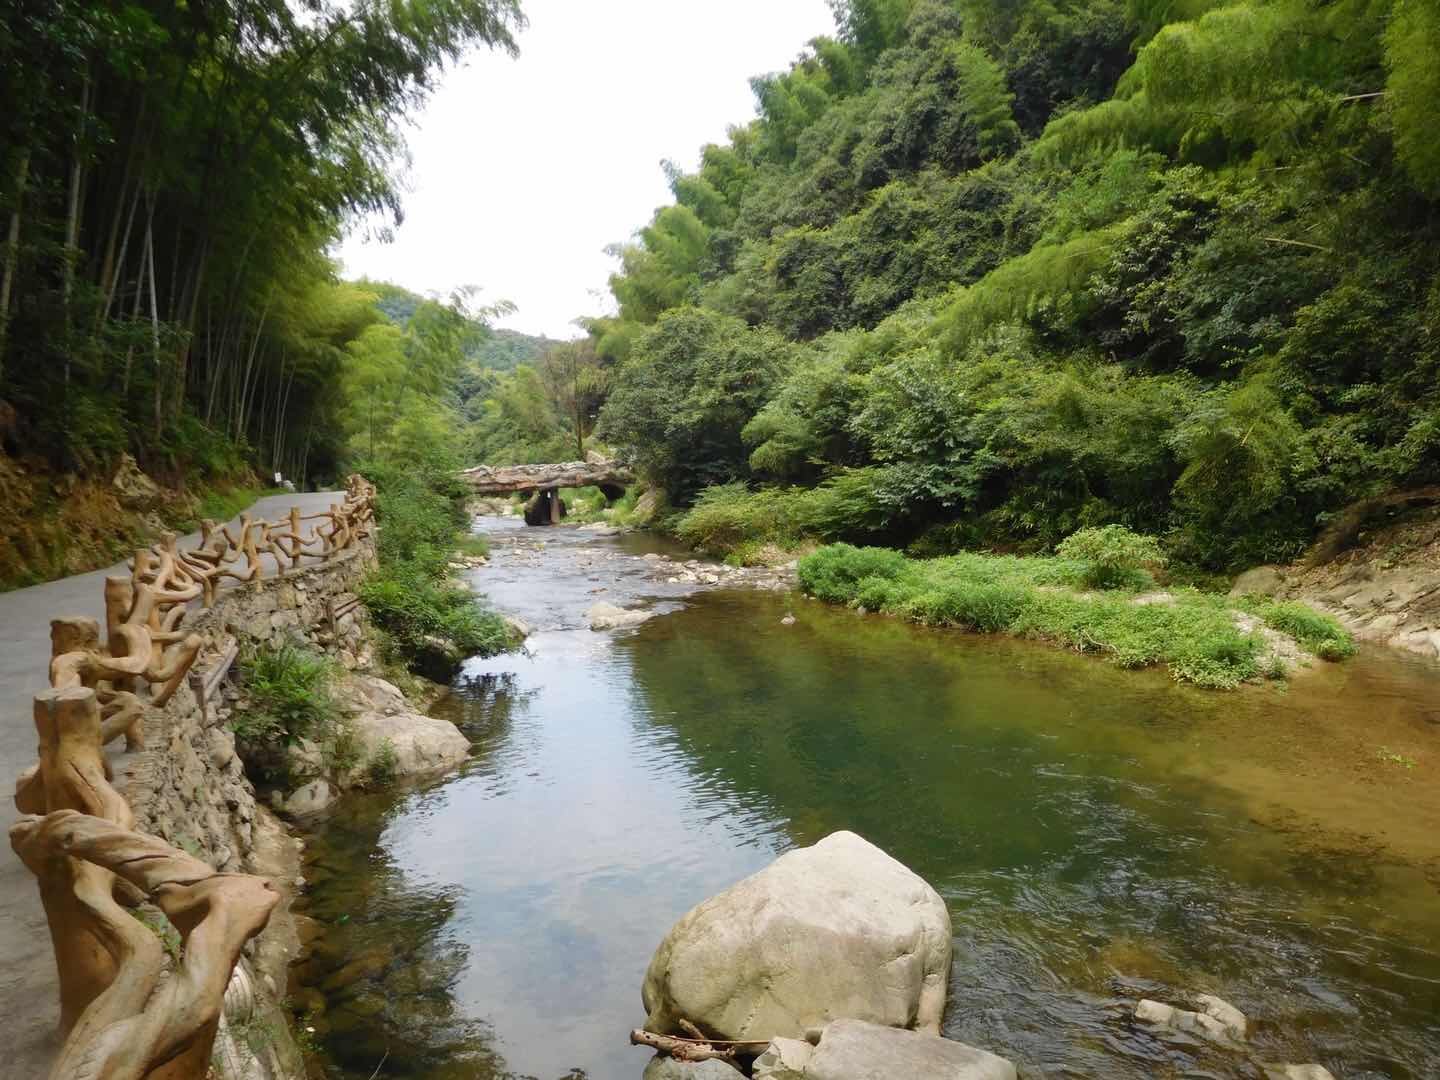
(1099, 835)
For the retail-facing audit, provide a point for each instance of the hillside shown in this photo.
(981, 274)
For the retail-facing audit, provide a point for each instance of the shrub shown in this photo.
(723, 517)
(728, 517)
(422, 517)
(987, 608)
(833, 572)
(1113, 555)
(289, 697)
(410, 606)
(472, 544)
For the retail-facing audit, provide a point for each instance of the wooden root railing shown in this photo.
(120, 1018)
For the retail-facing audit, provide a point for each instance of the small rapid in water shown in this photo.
(1099, 835)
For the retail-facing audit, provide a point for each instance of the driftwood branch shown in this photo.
(693, 1046)
(681, 1049)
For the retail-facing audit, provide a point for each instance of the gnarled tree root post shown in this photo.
(120, 1022)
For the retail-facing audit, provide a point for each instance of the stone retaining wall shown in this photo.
(188, 786)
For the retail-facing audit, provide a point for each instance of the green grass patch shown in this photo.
(288, 688)
(473, 545)
(289, 698)
(1195, 637)
(1321, 634)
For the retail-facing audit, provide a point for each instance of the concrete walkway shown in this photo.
(29, 999)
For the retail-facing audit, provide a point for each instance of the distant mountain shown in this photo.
(499, 350)
(395, 302)
(505, 350)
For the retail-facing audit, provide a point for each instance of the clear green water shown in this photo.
(1094, 838)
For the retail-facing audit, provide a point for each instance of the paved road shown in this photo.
(28, 988)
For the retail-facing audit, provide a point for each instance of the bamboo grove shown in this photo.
(171, 177)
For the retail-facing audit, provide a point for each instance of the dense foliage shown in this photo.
(171, 177)
(427, 619)
(1008, 271)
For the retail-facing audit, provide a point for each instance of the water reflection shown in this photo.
(1099, 836)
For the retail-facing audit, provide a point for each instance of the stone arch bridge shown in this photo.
(543, 483)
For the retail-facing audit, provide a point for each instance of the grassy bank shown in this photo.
(1195, 635)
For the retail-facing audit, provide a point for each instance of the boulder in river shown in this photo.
(855, 1050)
(1298, 1072)
(1215, 1019)
(309, 798)
(380, 715)
(606, 616)
(839, 929)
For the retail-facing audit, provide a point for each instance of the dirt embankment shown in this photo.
(1384, 581)
(54, 525)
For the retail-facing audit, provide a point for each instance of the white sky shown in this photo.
(524, 170)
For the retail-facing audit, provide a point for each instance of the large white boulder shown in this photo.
(836, 930)
(380, 715)
(855, 1050)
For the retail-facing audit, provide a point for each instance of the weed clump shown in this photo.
(288, 689)
(289, 699)
(1321, 634)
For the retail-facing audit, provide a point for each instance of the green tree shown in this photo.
(575, 382)
(679, 403)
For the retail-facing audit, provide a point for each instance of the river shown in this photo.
(1099, 835)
